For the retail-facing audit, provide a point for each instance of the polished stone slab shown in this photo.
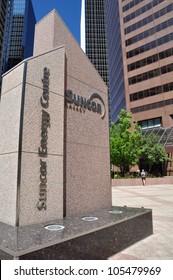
(80, 239)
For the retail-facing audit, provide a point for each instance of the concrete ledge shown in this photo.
(81, 240)
(138, 182)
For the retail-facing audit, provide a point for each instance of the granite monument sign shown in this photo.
(54, 152)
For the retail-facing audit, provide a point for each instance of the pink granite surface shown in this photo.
(87, 163)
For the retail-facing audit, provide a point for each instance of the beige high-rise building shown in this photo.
(146, 48)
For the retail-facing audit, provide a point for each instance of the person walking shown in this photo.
(143, 177)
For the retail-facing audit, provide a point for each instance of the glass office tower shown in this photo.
(3, 22)
(20, 32)
(93, 35)
(115, 59)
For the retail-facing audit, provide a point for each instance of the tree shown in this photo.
(154, 154)
(125, 143)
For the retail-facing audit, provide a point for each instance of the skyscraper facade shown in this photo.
(115, 59)
(3, 21)
(93, 35)
(143, 42)
(19, 33)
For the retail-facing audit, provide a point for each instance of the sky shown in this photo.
(69, 10)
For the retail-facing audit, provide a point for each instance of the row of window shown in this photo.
(151, 91)
(17, 33)
(142, 10)
(131, 4)
(99, 51)
(149, 19)
(152, 106)
(96, 36)
(90, 48)
(95, 42)
(149, 32)
(150, 59)
(94, 24)
(151, 74)
(18, 17)
(151, 45)
(100, 57)
(17, 24)
(16, 43)
(16, 54)
(150, 123)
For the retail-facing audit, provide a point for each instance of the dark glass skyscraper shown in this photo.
(115, 59)
(17, 25)
(19, 33)
(93, 35)
(3, 22)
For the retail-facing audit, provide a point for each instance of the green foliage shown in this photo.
(128, 146)
(125, 144)
(153, 152)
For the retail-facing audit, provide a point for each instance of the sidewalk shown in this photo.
(159, 198)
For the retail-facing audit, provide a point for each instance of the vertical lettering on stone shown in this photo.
(44, 100)
(42, 150)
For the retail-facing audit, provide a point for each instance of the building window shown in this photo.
(150, 123)
(165, 39)
(151, 74)
(131, 4)
(151, 106)
(150, 59)
(151, 91)
(142, 10)
(149, 32)
(149, 19)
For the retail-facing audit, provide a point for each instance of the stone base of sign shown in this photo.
(83, 240)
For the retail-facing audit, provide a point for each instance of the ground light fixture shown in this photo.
(54, 227)
(89, 219)
(115, 212)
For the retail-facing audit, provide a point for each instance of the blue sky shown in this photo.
(69, 10)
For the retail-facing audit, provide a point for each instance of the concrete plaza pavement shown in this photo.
(159, 198)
